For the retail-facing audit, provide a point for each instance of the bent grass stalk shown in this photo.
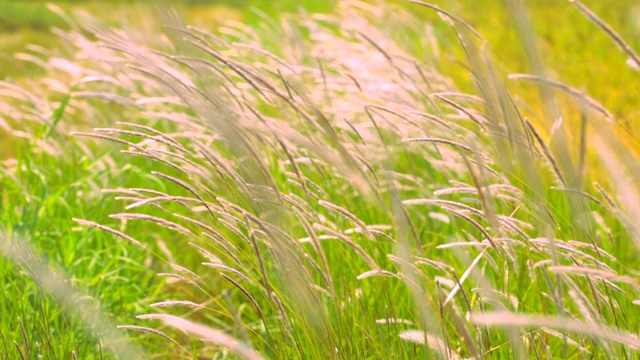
(283, 182)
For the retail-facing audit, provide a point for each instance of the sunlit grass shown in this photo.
(313, 187)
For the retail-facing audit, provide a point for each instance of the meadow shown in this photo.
(348, 180)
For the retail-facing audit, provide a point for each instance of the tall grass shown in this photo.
(314, 190)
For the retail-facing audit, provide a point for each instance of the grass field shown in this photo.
(352, 180)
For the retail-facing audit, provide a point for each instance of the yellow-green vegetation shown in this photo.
(349, 180)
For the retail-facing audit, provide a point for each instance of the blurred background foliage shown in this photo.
(576, 51)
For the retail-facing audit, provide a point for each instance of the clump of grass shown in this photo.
(320, 192)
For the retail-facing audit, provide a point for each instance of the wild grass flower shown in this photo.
(308, 180)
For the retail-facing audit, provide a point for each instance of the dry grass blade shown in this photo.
(149, 330)
(394, 321)
(576, 191)
(511, 320)
(208, 334)
(612, 33)
(627, 189)
(361, 225)
(433, 342)
(547, 152)
(187, 187)
(160, 221)
(168, 303)
(451, 16)
(179, 199)
(440, 141)
(160, 134)
(109, 230)
(373, 273)
(346, 239)
(225, 268)
(464, 277)
(446, 204)
(246, 293)
(565, 338)
(106, 137)
(471, 114)
(573, 91)
(575, 270)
